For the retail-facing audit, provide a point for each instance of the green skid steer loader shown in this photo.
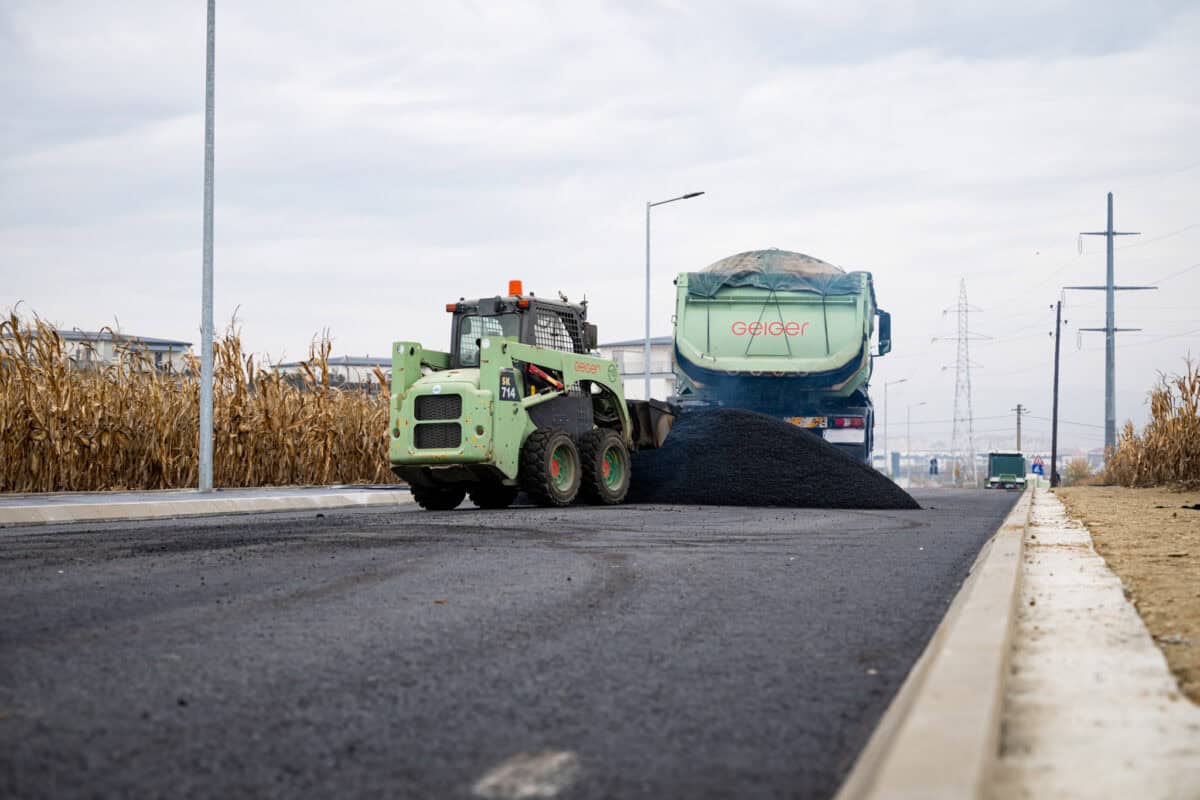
(518, 404)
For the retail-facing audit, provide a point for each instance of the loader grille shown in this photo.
(439, 406)
(556, 331)
(437, 436)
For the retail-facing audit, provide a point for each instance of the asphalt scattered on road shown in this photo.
(732, 457)
(647, 651)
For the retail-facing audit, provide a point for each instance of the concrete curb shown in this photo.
(940, 736)
(190, 507)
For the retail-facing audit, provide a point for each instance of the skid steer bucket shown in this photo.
(652, 421)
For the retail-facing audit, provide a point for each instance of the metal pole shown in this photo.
(908, 439)
(887, 454)
(1110, 346)
(206, 292)
(646, 351)
(1054, 413)
(908, 433)
(1110, 329)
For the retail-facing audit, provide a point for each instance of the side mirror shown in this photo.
(591, 335)
(885, 332)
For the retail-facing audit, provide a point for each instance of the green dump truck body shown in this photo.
(1006, 470)
(784, 334)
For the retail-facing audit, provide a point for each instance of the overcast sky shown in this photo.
(377, 159)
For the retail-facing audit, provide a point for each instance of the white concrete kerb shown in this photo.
(113, 510)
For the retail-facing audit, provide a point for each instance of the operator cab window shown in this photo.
(551, 332)
(472, 329)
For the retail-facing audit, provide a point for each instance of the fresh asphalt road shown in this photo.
(675, 651)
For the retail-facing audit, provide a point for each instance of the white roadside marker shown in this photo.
(529, 775)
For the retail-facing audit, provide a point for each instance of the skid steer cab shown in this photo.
(518, 403)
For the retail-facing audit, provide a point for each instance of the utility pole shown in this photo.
(1021, 411)
(1058, 321)
(206, 290)
(1110, 329)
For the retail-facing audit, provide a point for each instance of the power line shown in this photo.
(1145, 242)
(1176, 274)
(1162, 338)
(1069, 422)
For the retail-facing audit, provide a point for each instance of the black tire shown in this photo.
(603, 452)
(542, 467)
(493, 495)
(438, 498)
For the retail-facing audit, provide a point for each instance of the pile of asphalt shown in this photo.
(730, 457)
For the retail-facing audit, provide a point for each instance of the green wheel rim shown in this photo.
(562, 467)
(612, 467)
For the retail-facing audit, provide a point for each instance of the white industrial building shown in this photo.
(348, 372)
(630, 357)
(92, 349)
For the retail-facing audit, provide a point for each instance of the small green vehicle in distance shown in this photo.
(1006, 470)
(518, 403)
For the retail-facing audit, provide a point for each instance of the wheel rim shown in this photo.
(612, 468)
(562, 467)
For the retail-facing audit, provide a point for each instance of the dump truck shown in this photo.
(1006, 470)
(783, 334)
(517, 403)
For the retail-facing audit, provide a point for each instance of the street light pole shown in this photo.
(205, 482)
(646, 351)
(887, 454)
(908, 433)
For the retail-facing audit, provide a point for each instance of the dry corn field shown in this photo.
(127, 425)
(1167, 453)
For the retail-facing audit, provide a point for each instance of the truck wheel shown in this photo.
(606, 469)
(550, 472)
(437, 498)
(493, 495)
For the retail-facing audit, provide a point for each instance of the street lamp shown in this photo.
(646, 365)
(908, 433)
(887, 455)
(204, 481)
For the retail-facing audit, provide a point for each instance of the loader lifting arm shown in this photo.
(565, 369)
(408, 358)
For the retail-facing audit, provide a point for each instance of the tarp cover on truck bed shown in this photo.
(777, 270)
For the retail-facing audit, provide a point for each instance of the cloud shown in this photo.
(375, 160)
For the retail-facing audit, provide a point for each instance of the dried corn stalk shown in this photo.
(1167, 453)
(127, 425)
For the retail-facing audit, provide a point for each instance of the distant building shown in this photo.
(348, 372)
(90, 349)
(631, 358)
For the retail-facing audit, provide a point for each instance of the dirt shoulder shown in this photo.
(1151, 540)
